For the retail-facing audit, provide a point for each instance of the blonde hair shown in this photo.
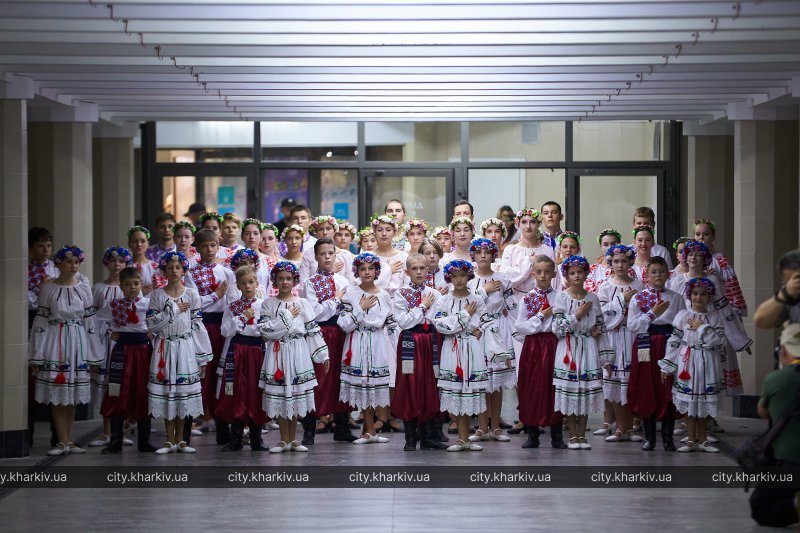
(541, 258)
(415, 257)
(231, 216)
(243, 271)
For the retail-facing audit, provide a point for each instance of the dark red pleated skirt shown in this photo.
(647, 396)
(244, 404)
(132, 399)
(209, 381)
(416, 396)
(535, 389)
(326, 393)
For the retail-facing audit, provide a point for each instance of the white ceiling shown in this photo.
(136, 60)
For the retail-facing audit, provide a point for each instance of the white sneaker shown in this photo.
(573, 445)
(126, 441)
(100, 441)
(614, 437)
(712, 439)
(688, 447)
(196, 432)
(685, 439)
(584, 444)
(73, 448)
(498, 435)
(474, 447)
(60, 449)
(635, 438)
(603, 430)
(707, 447)
(297, 447)
(168, 447)
(459, 447)
(185, 448)
(281, 447)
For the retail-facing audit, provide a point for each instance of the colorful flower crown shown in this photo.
(383, 219)
(462, 220)
(620, 249)
(183, 225)
(458, 265)
(209, 215)
(609, 231)
(696, 246)
(527, 212)
(438, 230)
(679, 241)
(572, 261)
(482, 243)
(362, 233)
(318, 222)
(257, 223)
(649, 229)
(173, 256)
(366, 258)
(293, 227)
(67, 251)
(699, 282)
(416, 223)
(284, 266)
(346, 226)
(272, 227)
(117, 252)
(710, 223)
(245, 254)
(494, 222)
(144, 230)
(568, 235)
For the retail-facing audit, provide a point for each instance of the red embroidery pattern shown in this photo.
(36, 273)
(324, 286)
(204, 279)
(536, 301)
(647, 298)
(124, 311)
(412, 295)
(240, 306)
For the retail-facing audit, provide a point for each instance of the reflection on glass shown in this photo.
(339, 193)
(620, 140)
(609, 202)
(413, 141)
(492, 188)
(423, 197)
(226, 195)
(309, 141)
(179, 192)
(204, 141)
(281, 183)
(518, 141)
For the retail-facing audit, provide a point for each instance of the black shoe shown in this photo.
(649, 425)
(411, 435)
(115, 440)
(557, 437)
(667, 427)
(143, 436)
(224, 434)
(515, 430)
(533, 437)
(430, 430)
(256, 445)
(309, 430)
(236, 436)
(341, 428)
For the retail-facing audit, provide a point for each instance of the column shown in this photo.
(61, 198)
(13, 278)
(708, 191)
(112, 153)
(765, 226)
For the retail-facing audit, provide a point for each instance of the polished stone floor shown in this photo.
(384, 509)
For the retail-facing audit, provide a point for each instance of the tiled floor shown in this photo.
(386, 509)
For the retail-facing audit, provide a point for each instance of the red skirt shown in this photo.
(245, 403)
(647, 396)
(132, 399)
(416, 396)
(326, 393)
(535, 390)
(209, 381)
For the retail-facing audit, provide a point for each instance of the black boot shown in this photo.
(430, 439)
(187, 429)
(143, 435)
(411, 435)
(437, 425)
(53, 434)
(649, 434)
(309, 430)
(256, 444)
(667, 427)
(235, 438)
(341, 431)
(557, 437)
(115, 442)
(223, 431)
(533, 437)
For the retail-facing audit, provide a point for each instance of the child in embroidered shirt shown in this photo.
(138, 238)
(294, 343)
(444, 237)
(416, 229)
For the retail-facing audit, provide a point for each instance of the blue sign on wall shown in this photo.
(341, 210)
(226, 199)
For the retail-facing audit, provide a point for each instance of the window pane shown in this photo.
(226, 194)
(492, 188)
(339, 193)
(424, 197)
(179, 192)
(205, 141)
(517, 141)
(413, 141)
(280, 183)
(609, 202)
(620, 140)
(309, 141)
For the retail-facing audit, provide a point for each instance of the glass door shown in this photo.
(426, 194)
(223, 192)
(606, 198)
